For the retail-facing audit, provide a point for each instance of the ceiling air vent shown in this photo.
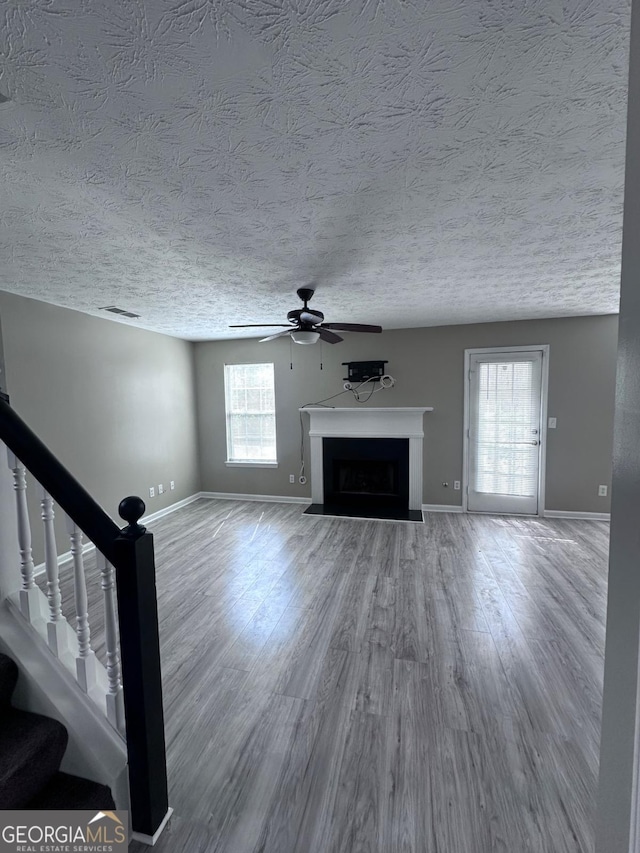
(112, 309)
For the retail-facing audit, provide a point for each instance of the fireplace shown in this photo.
(366, 473)
(366, 462)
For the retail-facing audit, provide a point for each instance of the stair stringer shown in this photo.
(95, 750)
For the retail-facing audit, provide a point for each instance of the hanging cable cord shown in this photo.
(385, 381)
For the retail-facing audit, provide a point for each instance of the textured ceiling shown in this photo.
(194, 161)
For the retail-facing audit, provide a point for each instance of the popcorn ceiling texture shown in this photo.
(195, 161)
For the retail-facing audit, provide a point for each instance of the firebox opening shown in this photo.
(365, 477)
(366, 473)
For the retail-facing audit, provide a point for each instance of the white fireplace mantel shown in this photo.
(401, 422)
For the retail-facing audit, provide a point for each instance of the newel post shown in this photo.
(141, 675)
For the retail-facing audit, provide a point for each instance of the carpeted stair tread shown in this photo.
(8, 680)
(31, 749)
(72, 792)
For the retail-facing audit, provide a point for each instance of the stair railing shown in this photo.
(129, 689)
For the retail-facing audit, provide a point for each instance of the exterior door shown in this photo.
(505, 409)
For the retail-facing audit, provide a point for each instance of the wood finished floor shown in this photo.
(334, 685)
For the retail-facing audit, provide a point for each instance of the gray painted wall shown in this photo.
(428, 366)
(616, 800)
(3, 378)
(114, 403)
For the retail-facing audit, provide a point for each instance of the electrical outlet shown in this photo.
(152, 492)
(456, 485)
(161, 489)
(552, 423)
(292, 478)
(172, 485)
(602, 491)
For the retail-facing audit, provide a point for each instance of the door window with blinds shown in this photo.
(505, 409)
(251, 413)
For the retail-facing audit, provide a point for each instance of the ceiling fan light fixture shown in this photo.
(302, 336)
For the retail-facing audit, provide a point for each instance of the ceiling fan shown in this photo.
(306, 325)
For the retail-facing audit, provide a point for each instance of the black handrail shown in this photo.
(58, 482)
(131, 553)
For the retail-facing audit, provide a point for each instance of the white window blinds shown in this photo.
(251, 412)
(506, 428)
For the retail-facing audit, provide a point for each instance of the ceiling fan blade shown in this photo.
(259, 325)
(328, 336)
(273, 337)
(352, 327)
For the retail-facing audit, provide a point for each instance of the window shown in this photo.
(251, 414)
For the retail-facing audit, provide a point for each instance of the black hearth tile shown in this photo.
(393, 514)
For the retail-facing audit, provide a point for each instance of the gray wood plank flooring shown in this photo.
(337, 685)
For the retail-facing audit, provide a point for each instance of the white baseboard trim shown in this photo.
(586, 516)
(88, 547)
(548, 513)
(160, 513)
(440, 508)
(234, 496)
(151, 839)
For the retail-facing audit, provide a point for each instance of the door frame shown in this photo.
(544, 394)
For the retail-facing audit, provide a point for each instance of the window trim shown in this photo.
(249, 463)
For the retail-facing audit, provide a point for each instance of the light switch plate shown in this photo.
(552, 423)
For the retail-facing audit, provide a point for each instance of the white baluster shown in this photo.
(29, 592)
(57, 624)
(86, 659)
(115, 701)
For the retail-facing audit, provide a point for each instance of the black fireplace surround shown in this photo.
(367, 474)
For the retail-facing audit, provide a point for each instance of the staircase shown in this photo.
(113, 710)
(31, 749)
